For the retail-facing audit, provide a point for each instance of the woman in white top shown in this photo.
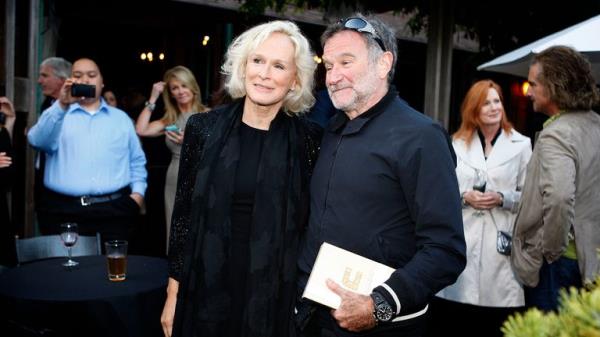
(487, 291)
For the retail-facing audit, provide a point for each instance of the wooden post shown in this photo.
(9, 48)
(439, 61)
(32, 71)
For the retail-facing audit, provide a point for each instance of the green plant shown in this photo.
(578, 316)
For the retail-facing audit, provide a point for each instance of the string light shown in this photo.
(149, 56)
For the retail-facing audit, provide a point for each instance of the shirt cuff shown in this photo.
(511, 201)
(139, 188)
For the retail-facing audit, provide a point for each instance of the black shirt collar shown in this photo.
(482, 138)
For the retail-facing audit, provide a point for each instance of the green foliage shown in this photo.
(499, 27)
(578, 316)
(533, 323)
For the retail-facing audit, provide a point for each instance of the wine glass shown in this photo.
(69, 235)
(479, 185)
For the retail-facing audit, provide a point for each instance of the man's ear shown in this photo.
(384, 64)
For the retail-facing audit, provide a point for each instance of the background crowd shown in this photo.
(477, 225)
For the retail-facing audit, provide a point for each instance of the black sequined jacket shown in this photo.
(201, 222)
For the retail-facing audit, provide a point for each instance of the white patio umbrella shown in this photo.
(584, 37)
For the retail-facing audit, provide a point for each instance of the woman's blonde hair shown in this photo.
(187, 79)
(296, 101)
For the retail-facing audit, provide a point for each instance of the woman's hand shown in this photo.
(7, 107)
(168, 314)
(5, 161)
(478, 200)
(157, 89)
(175, 136)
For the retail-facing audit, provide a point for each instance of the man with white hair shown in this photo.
(384, 187)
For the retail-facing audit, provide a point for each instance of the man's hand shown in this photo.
(64, 98)
(137, 198)
(355, 312)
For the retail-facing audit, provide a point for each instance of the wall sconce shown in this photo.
(205, 40)
(317, 59)
(525, 88)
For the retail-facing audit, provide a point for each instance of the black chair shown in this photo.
(46, 246)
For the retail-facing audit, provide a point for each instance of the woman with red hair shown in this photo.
(486, 145)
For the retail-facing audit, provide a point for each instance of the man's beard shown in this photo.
(362, 90)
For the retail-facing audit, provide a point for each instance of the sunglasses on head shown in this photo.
(363, 26)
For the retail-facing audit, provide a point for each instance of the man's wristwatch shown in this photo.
(382, 310)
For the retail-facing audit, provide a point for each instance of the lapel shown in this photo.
(506, 147)
(472, 155)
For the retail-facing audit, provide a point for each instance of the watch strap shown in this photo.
(380, 305)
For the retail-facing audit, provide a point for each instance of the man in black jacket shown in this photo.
(384, 187)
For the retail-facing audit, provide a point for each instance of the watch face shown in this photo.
(384, 313)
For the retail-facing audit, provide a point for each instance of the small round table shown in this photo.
(44, 294)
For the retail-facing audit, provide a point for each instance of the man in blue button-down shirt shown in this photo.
(95, 169)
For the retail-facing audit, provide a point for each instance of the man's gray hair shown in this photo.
(384, 31)
(61, 67)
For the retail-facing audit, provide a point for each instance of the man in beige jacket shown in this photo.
(557, 230)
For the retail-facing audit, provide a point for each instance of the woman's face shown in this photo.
(271, 71)
(110, 98)
(492, 109)
(182, 94)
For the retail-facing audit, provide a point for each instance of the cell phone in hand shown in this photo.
(83, 90)
(172, 128)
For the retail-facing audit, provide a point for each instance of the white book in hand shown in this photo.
(351, 271)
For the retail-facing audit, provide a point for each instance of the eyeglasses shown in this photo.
(363, 26)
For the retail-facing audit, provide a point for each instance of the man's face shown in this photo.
(86, 71)
(351, 80)
(537, 93)
(49, 82)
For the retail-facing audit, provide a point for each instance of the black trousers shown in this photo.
(322, 324)
(449, 318)
(114, 219)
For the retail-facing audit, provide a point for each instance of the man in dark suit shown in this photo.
(384, 187)
(53, 73)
